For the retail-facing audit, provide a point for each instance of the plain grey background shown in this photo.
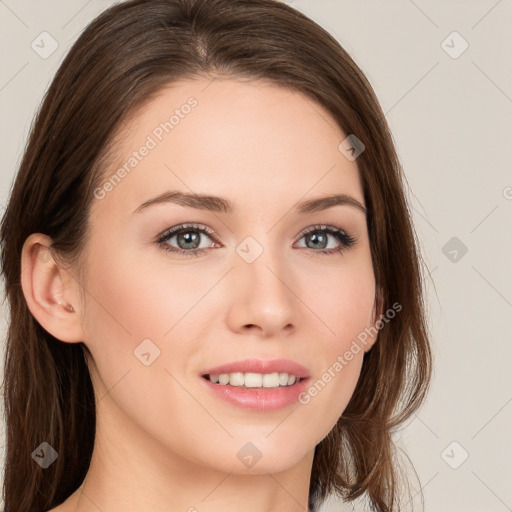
(442, 72)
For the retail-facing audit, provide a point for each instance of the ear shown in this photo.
(377, 312)
(51, 292)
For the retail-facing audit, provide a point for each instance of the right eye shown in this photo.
(189, 235)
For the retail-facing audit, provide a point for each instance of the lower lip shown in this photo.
(259, 399)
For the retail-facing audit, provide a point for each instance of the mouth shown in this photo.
(257, 392)
(258, 385)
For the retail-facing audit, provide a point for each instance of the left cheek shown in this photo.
(345, 305)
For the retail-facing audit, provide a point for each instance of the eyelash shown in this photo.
(346, 240)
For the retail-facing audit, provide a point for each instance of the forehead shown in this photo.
(251, 141)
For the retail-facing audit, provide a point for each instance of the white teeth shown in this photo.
(236, 379)
(254, 380)
(251, 380)
(271, 380)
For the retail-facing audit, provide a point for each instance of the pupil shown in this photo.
(189, 237)
(317, 237)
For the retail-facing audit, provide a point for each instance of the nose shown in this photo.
(262, 298)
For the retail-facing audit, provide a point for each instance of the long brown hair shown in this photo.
(122, 59)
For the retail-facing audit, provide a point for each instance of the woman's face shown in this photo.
(156, 319)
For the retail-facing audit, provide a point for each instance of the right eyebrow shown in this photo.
(199, 201)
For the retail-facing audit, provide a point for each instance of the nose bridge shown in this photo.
(264, 297)
(265, 268)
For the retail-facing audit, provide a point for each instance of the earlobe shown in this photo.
(49, 292)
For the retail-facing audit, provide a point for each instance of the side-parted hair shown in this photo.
(121, 61)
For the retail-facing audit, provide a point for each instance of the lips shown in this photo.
(260, 366)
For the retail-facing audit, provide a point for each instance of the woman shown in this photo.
(213, 280)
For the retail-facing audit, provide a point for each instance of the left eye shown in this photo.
(317, 236)
(188, 239)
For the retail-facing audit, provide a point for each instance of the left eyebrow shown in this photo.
(223, 205)
(322, 203)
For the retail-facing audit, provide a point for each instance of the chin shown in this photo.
(260, 457)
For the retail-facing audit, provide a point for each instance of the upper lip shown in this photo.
(260, 366)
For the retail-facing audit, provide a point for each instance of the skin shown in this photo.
(163, 442)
